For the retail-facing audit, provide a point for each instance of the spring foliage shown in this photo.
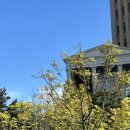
(61, 105)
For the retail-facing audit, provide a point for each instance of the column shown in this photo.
(93, 73)
(119, 68)
(68, 70)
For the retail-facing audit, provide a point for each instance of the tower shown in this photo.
(120, 22)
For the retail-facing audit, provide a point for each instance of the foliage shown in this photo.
(109, 52)
(119, 118)
(77, 108)
(18, 116)
(21, 116)
(3, 99)
(61, 105)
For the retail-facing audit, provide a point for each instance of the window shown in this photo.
(124, 27)
(118, 31)
(129, 7)
(100, 70)
(119, 43)
(126, 67)
(117, 14)
(125, 42)
(116, 1)
(79, 80)
(123, 11)
(114, 69)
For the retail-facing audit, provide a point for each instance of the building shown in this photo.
(120, 21)
(123, 64)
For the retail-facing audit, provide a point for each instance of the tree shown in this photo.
(3, 99)
(64, 104)
(22, 116)
(120, 117)
(18, 116)
(77, 108)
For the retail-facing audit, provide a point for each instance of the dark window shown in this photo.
(125, 42)
(126, 67)
(100, 71)
(114, 69)
(119, 43)
(79, 80)
(123, 11)
(116, 1)
(124, 27)
(129, 7)
(118, 31)
(117, 14)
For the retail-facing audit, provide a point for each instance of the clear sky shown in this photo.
(34, 32)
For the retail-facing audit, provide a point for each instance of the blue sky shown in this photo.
(34, 32)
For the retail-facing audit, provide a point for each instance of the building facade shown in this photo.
(120, 22)
(122, 64)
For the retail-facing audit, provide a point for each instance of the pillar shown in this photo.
(93, 73)
(119, 68)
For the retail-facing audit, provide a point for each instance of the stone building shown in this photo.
(123, 64)
(120, 21)
(120, 24)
